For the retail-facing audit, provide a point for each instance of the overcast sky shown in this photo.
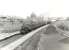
(23, 8)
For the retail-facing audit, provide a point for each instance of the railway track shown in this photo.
(6, 35)
(17, 40)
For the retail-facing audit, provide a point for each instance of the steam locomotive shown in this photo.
(29, 26)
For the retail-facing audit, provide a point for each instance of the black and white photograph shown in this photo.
(34, 24)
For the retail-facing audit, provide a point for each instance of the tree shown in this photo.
(33, 15)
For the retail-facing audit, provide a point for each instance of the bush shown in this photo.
(63, 25)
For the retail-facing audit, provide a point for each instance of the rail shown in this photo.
(6, 35)
(27, 42)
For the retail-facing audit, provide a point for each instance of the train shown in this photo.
(29, 26)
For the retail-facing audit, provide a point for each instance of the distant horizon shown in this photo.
(30, 14)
